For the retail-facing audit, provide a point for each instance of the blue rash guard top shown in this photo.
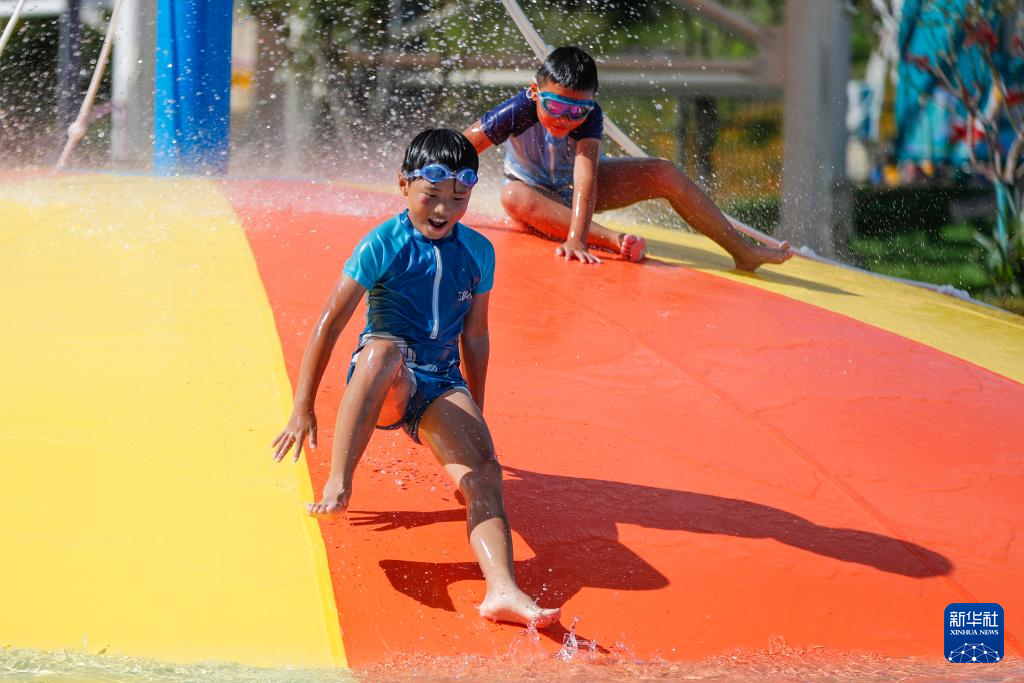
(419, 290)
(533, 155)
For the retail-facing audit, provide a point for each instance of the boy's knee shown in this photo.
(381, 355)
(516, 198)
(665, 171)
(482, 479)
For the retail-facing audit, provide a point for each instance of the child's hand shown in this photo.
(301, 425)
(571, 249)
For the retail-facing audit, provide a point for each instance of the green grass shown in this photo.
(949, 257)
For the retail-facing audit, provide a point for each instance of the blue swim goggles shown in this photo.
(438, 173)
(559, 106)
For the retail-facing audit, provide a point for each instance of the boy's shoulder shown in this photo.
(475, 241)
(395, 227)
(378, 248)
(392, 234)
(510, 118)
(466, 232)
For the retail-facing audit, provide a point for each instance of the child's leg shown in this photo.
(626, 180)
(377, 393)
(552, 217)
(455, 431)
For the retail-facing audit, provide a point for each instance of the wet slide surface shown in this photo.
(693, 464)
(696, 460)
(140, 371)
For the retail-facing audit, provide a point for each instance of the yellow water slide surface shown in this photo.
(981, 335)
(140, 511)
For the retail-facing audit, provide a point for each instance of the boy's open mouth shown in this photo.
(436, 223)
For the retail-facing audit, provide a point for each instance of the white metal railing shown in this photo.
(77, 129)
(11, 23)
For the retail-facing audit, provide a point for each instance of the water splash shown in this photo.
(81, 667)
(527, 662)
(528, 646)
(571, 644)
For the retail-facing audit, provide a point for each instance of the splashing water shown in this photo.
(571, 644)
(526, 662)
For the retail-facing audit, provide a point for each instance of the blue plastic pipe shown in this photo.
(192, 93)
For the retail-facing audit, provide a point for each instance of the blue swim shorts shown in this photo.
(429, 387)
(561, 194)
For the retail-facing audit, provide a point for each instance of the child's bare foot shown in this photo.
(334, 500)
(517, 607)
(759, 255)
(632, 247)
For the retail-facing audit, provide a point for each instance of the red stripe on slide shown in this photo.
(692, 464)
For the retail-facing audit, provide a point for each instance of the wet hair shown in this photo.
(570, 67)
(440, 146)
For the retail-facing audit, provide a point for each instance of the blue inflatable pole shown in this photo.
(192, 93)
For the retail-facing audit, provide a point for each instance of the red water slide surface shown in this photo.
(692, 464)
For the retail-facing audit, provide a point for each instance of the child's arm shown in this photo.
(336, 314)
(476, 135)
(476, 347)
(584, 199)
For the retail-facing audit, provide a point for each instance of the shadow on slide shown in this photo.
(576, 546)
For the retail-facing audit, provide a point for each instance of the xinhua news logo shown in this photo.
(974, 633)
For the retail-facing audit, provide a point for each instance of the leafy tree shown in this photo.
(978, 57)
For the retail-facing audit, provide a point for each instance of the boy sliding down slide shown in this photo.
(429, 279)
(558, 178)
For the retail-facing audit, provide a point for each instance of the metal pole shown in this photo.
(734, 23)
(132, 85)
(69, 67)
(814, 122)
(77, 129)
(707, 131)
(385, 73)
